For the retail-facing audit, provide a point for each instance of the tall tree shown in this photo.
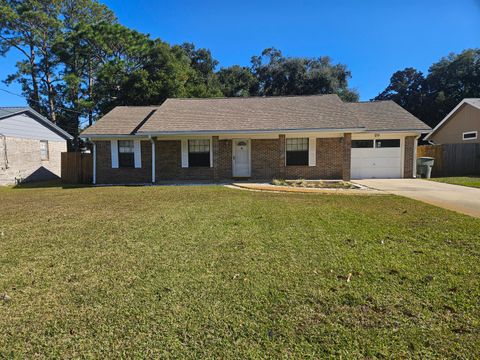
(202, 80)
(237, 81)
(431, 97)
(32, 27)
(408, 89)
(139, 72)
(279, 75)
(82, 53)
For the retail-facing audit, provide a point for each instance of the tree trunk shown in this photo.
(49, 83)
(90, 91)
(33, 73)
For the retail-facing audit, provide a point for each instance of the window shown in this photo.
(44, 149)
(126, 156)
(297, 151)
(198, 153)
(471, 135)
(362, 144)
(387, 143)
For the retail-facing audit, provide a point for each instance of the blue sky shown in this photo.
(373, 38)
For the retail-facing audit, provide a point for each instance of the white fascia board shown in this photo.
(246, 132)
(410, 131)
(114, 137)
(383, 135)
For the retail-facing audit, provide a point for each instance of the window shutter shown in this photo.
(114, 149)
(312, 151)
(137, 154)
(184, 153)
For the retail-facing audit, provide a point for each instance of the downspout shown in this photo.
(94, 177)
(153, 158)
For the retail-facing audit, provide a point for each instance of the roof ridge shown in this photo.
(369, 101)
(250, 97)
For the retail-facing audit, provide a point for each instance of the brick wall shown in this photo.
(267, 162)
(329, 163)
(169, 163)
(20, 160)
(224, 160)
(107, 175)
(264, 158)
(409, 157)
(347, 156)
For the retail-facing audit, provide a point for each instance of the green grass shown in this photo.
(211, 272)
(471, 181)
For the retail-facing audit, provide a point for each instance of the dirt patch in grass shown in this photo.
(211, 272)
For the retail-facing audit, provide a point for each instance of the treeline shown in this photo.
(78, 62)
(430, 97)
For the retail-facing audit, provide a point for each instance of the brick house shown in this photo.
(30, 146)
(289, 137)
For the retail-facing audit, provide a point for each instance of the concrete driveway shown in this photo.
(458, 198)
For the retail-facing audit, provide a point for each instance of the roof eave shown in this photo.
(447, 117)
(253, 131)
(43, 120)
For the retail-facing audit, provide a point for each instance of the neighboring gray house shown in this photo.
(30, 146)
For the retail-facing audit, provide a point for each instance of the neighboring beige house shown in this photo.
(30, 146)
(460, 126)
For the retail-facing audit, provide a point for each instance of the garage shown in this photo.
(376, 158)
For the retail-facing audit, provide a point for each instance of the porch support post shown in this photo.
(215, 157)
(347, 156)
(152, 141)
(281, 157)
(94, 175)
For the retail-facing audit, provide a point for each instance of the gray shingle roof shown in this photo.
(122, 120)
(251, 114)
(316, 112)
(10, 111)
(385, 116)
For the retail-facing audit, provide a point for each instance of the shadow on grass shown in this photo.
(57, 183)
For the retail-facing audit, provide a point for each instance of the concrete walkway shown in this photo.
(458, 198)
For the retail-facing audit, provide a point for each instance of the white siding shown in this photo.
(24, 127)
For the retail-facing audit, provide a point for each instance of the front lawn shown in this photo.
(471, 181)
(211, 272)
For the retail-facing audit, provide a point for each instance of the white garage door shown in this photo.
(380, 159)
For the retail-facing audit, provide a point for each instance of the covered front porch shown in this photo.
(223, 157)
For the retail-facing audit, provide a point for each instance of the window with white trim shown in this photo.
(297, 151)
(387, 143)
(199, 153)
(126, 153)
(470, 135)
(44, 150)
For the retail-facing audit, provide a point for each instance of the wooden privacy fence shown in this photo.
(77, 168)
(453, 159)
(434, 151)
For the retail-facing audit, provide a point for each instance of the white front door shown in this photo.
(241, 158)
